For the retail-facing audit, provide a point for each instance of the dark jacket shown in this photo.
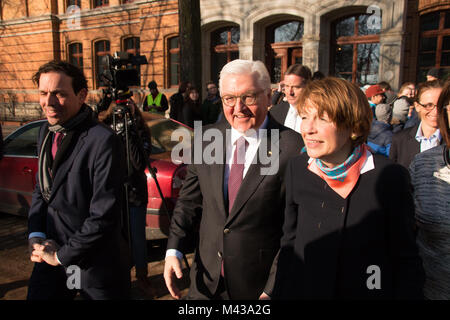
(380, 137)
(330, 245)
(404, 146)
(247, 237)
(280, 111)
(211, 109)
(83, 214)
(140, 148)
(191, 112)
(176, 105)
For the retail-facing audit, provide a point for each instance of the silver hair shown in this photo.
(239, 67)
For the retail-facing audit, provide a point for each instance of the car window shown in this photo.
(23, 142)
(161, 132)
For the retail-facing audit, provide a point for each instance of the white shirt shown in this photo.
(293, 120)
(253, 138)
(427, 143)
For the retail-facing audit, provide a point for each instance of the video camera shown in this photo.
(119, 73)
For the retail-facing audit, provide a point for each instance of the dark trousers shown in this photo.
(50, 283)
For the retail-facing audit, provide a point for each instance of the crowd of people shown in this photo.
(356, 210)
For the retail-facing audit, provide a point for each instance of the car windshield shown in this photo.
(161, 132)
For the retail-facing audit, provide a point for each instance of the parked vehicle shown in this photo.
(19, 166)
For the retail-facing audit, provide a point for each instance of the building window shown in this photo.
(76, 54)
(356, 49)
(73, 3)
(101, 3)
(173, 62)
(224, 48)
(127, 1)
(102, 48)
(132, 46)
(283, 47)
(434, 45)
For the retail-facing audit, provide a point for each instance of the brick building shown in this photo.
(364, 41)
(35, 31)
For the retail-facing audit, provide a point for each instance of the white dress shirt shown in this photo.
(293, 120)
(427, 143)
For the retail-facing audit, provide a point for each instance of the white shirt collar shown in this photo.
(434, 136)
(250, 135)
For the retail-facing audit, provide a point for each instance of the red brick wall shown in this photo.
(31, 36)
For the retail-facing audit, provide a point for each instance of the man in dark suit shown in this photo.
(74, 221)
(295, 79)
(239, 203)
(424, 135)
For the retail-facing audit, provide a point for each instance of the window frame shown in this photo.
(77, 55)
(353, 40)
(169, 51)
(96, 65)
(439, 34)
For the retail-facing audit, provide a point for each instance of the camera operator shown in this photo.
(139, 143)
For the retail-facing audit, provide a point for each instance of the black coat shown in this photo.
(329, 242)
(280, 111)
(83, 214)
(404, 146)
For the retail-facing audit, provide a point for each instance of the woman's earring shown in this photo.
(354, 137)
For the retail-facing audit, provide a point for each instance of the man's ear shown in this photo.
(82, 95)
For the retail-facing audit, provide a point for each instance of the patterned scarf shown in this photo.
(343, 178)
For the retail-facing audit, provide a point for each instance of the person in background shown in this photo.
(295, 79)
(348, 222)
(430, 176)
(192, 108)
(212, 105)
(139, 149)
(401, 106)
(389, 94)
(424, 135)
(278, 95)
(380, 135)
(177, 101)
(433, 74)
(155, 102)
(318, 75)
(375, 94)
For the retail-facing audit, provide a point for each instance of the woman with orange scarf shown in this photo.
(348, 230)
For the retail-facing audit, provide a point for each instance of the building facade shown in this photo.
(364, 41)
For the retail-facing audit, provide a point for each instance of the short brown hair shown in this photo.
(425, 86)
(344, 103)
(78, 79)
(299, 70)
(444, 99)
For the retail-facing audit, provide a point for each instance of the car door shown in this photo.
(18, 169)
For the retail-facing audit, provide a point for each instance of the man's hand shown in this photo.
(33, 243)
(172, 266)
(264, 296)
(46, 252)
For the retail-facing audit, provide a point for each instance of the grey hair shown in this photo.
(239, 67)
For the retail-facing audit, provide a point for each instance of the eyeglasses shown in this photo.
(248, 99)
(209, 88)
(429, 106)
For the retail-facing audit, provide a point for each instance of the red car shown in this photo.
(18, 169)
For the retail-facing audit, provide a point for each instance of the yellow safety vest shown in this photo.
(157, 102)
